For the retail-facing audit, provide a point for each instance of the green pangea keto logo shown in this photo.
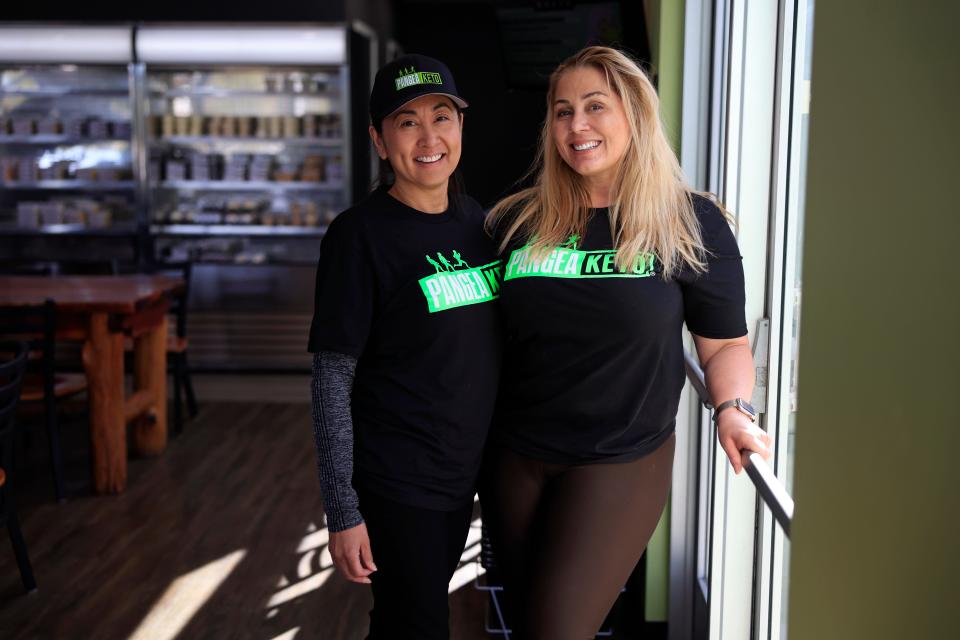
(408, 76)
(456, 284)
(568, 262)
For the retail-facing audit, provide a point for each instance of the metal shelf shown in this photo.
(56, 93)
(236, 230)
(87, 185)
(324, 142)
(57, 139)
(222, 185)
(119, 229)
(239, 93)
(201, 262)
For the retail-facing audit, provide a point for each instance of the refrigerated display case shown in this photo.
(67, 132)
(228, 146)
(239, 149)
(247, 159)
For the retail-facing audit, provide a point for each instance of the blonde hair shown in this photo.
(651, 207)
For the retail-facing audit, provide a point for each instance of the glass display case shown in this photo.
(245, 163)
(225, 145)
(257, 153)
(67, 143)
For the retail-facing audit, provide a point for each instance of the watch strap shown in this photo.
(735, 403)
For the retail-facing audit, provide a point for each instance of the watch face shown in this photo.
(746, 407)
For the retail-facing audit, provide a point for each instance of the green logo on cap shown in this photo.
(410, 76)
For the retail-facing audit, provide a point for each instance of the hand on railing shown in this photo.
(747, 446)
(740, 437)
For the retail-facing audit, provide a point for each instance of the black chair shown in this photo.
(13, 364)
(177, 342)
(43, 384)
(177, 346)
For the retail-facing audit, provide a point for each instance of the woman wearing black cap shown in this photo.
(406, 357)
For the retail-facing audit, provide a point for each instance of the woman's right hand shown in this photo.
(350, 550)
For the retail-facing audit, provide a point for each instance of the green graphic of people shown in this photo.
(445, 262)
(571, 242)
(435, 264)
(460, 260)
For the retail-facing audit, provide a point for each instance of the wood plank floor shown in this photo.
(220, 537)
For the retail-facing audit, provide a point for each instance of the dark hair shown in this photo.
(385, 176)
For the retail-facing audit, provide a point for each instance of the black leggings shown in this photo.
(416, 552)
(567, 537)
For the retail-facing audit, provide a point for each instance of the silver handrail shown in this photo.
(771, 490)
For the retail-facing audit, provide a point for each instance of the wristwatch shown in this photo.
(742, 406)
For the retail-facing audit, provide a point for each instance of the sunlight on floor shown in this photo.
(313, 570)
(184, 597)
(315, 566)
(469, 569)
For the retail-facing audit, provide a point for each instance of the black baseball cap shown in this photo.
(408, 78)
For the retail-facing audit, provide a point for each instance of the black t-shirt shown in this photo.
(593, 362)
(410, 295)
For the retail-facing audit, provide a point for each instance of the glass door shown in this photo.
(749, 149)
(785, 294)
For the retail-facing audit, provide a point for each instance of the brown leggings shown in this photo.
(566, 538)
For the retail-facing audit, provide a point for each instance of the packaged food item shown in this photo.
(75, 127)
(90, 174)
(27, 170)
(245, 126)
(9, 168)
(313, 169)
(334, 169)
(56, 171)
(273, 127)
(229, 127)
(99, 217)
(286, 172)
(311, 215)
(199, 167)
(73, 215)
(22, 126)
(28, 214)
(175, 169)
(291, 127)
(309, 125)
(262, 126)
(260, 168)
(96, 128)
(235, 169)
(51, 213)
(48, 126)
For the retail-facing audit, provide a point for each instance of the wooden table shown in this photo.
(101, 311)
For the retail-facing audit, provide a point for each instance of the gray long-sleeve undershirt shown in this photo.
(331, 384)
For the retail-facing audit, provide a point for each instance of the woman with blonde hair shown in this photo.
(606, 256)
